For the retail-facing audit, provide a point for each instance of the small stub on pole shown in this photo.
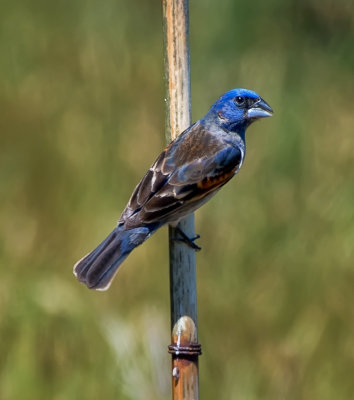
(184, 346)
(184, 339)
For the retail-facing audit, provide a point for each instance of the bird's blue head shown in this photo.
(235, 110)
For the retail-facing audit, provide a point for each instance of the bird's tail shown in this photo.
(98, 268)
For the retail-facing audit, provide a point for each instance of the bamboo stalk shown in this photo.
(184, 347)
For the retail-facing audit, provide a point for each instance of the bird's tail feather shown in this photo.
(98, 268)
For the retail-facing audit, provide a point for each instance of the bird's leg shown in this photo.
(187, 240)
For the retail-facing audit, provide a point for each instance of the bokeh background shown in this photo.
(82, 118)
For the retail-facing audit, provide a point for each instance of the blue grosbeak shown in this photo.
(190, 170)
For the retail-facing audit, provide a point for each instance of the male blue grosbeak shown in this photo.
(190, 170)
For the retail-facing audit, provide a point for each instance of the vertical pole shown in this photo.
(184, 347)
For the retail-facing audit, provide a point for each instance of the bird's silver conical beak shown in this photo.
(260, 109)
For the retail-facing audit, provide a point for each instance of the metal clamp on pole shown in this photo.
(185, 351)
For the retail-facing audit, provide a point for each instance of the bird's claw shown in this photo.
(187, 240)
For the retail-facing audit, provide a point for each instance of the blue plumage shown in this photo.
(187, 173)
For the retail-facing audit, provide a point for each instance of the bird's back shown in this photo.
(188, 171)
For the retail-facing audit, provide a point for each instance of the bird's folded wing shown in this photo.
(182, 175)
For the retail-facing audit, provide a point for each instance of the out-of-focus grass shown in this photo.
(81, 119)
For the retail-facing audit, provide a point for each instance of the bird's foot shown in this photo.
(187, 240)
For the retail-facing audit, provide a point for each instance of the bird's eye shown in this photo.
(239, 100)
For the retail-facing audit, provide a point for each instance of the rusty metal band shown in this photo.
(185, 351)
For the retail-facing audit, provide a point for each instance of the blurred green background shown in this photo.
(82, 118)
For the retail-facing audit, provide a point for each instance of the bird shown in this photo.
(188, 172)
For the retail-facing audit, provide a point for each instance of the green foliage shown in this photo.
(82, 118)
